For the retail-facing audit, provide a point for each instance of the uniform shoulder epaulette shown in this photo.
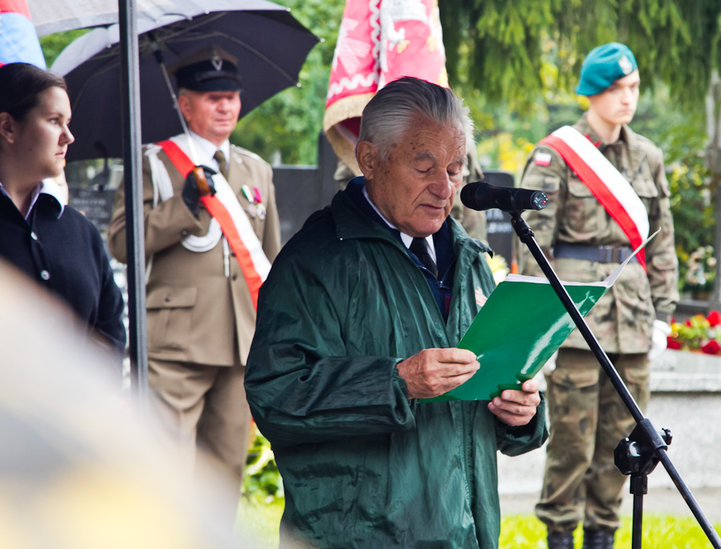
(245, 152)
(151, 148)
(648, 148)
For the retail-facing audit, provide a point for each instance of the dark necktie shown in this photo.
(219, 157)
(419, 247)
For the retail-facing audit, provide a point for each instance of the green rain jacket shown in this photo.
(362, 464)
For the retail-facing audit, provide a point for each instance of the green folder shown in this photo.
(518, 329)
(515, 333)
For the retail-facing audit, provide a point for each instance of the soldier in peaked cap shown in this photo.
(585, 238)
(210, 235)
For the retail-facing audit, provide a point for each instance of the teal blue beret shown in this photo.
(603, 66)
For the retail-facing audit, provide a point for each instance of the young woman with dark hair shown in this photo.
(51, 243)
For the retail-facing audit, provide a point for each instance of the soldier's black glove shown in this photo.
(198, 183)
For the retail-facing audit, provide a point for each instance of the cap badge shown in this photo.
(625, 64)
(217, 62)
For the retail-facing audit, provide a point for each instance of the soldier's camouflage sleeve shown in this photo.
(661, 262)
(545, 171)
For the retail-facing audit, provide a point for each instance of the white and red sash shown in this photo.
(224, 207)
(605, 182)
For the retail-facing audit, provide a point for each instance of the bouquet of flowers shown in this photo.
(700, 270)
(698, 333)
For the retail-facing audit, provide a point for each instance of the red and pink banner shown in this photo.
(18, 39)
(379, 41)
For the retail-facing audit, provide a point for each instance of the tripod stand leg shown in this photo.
(639, 487)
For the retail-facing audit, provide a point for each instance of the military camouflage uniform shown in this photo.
(587, 417)
(473, 221)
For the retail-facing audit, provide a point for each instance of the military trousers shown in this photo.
(204, 409)
(587, 421)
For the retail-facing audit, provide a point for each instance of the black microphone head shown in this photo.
(468, 193)
(482, 196)
(539, 200)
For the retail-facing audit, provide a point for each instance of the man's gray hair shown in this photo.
(392, 110)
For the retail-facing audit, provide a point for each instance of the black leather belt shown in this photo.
(601, 254)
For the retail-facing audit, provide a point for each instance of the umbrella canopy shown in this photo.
(269, 43)
(50, 16)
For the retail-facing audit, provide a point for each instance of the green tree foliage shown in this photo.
(53, 44)
(286, 127)
(503, 47)
(683, 140)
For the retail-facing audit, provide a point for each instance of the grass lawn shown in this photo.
(259, 522)
(659, 532)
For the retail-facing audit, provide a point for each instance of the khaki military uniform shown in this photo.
(587, 417)
(200, 316)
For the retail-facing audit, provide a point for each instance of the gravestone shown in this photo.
(498, 223)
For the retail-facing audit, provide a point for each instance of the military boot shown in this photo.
(560, 540)
(597, 539)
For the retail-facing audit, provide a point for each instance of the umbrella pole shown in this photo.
(132, 167)
(164, 71)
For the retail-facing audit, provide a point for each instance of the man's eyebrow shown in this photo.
(423, 155)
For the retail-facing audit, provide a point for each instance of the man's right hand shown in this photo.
(433, 372)
(194, 189)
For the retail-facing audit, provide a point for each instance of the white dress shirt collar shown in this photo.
(46, 186)
(405, 238)
(206, 150)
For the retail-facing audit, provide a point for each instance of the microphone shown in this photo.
(482, 196)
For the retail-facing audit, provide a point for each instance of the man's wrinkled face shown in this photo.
(617, 104)
(415, 186)
(212, 115)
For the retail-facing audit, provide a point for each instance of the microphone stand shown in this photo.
(640, 452)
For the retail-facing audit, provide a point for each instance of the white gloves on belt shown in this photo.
(661, 331)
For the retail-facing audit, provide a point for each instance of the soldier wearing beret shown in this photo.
(585, 242)
(200, 284)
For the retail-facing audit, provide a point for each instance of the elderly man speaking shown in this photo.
(357, 321)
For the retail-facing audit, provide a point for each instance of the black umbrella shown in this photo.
(270, 44)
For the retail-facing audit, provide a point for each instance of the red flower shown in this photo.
(672, 343)
(712, 347)
(688, 322)
(714, 318)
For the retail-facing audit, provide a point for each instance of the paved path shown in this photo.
(659, 500)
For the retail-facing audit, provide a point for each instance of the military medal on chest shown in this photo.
(256, 208)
